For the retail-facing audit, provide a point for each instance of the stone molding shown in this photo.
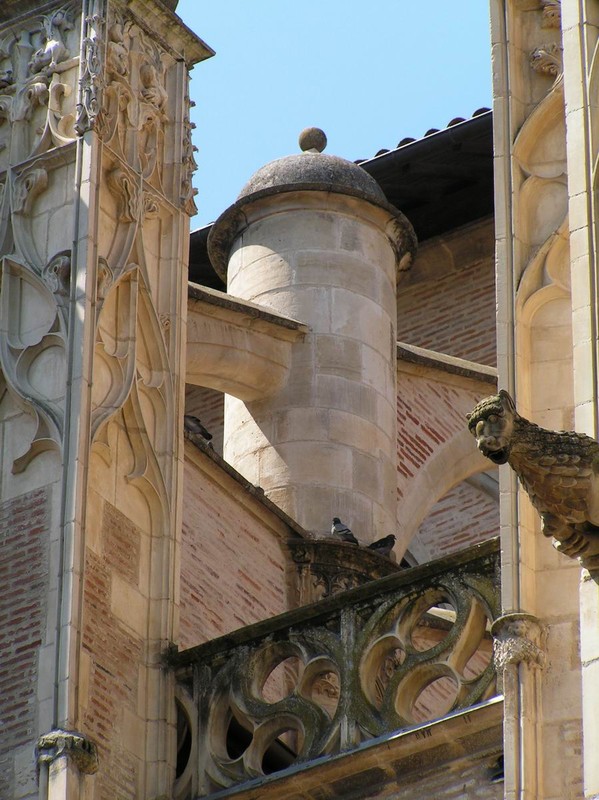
(76, 747)
(326, 567)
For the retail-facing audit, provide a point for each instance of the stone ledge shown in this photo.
(420, 356)
(391, 762)
(236, 305)
(237, 347)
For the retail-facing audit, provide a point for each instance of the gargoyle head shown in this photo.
(491, 422)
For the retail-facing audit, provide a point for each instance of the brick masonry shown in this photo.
(452, 315)
(429, 415)
(464, 516)
(114, 653)
(24, 547)
(233, 566)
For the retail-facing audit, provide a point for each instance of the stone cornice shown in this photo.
(420, 356)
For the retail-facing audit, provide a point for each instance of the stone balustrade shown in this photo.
(323, 679)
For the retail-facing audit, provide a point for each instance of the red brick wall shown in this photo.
(209, 406)
(24, 546)
(233, 567)
(464, 516)
(454, 314)
(115, 654)
(431, 414)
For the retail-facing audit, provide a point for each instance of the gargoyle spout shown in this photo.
(559, 470)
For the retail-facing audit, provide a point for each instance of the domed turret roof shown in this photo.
(308, 171)
(313, 169)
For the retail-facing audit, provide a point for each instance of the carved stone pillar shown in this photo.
(518, 654)
(95, 193)
(535, 361)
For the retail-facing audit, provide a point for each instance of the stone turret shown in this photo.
(312, 237)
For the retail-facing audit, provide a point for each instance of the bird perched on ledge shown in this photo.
(193, 425)
(383, 546)
(341, 531)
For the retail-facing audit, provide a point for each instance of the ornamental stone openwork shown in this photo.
(320, 680)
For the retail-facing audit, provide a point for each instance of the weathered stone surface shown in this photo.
(353, 667)
(557, 469)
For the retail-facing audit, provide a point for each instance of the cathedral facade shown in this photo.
(249, 547)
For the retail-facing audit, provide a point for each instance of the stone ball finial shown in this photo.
(312, 139)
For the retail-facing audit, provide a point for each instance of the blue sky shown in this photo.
(368, 73)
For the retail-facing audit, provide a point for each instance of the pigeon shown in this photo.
(383, 546)
(193, 425)
(341, 531)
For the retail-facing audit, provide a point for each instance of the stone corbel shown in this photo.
(517, 639)
(75, 747)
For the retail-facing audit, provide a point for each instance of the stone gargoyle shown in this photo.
(558, 469)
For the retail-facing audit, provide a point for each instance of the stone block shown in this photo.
(590, 678)
(589, 623)
(378, 372)
(128, 605)
(337, 355)
(311, 463)
(359, 318)
(366, 476)
(290, 232)
(345, 395)
(357, 432)
(338, 269)
(306, 304)
(301, 424)
(369, 241)
(317, 506)
(260, 275)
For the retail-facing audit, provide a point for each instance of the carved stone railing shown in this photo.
(324, 678)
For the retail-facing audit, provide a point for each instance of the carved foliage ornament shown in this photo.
(37, 77)
(559, 470)
(76, 747)
(91, 80)
(516, 640)
(135, 100)
(548, 59)
(552, 13)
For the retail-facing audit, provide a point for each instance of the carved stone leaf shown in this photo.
(53, 49)
(26, 188)
(124, 186)
(91, 81)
